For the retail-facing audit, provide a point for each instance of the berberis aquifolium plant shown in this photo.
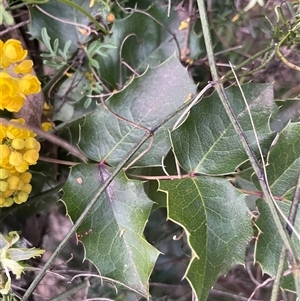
(166, 161)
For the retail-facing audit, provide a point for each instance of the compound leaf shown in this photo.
(146, 101)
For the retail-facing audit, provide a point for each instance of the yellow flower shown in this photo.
(15, 158)
(11, 99)
(18, 143)
(10, 256)
(46, 126)
(13, 51)
(29, 84)
(21, 197)
(8, 202)
(12, 104)
(32, 143)
(3, 173)
(31, 156)
(4, 62)
(24, 67)
(27, 188)
(7, 193)
(4, 152)
(22, 167)
(13, 131)
(48, 109)
(26, 177)
(2, 132)
(3, 186)
(9, 86)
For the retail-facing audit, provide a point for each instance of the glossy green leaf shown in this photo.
(57, 28)
(283, 162)
(282, 171)
(288, 111)
(140, 41)
(146, 101)
(269, 242)
(112, 232)
(71, 97)
(207, 142)
(217, 223)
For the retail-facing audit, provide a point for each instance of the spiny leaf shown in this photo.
(114, 227)
(216, 220)
(207, 142)
(140, 41)
(282, 171)
(269, 242)
(283, 162)
(146, 101)
(61, 30)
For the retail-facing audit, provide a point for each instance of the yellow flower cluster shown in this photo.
(18, 147)
(19, 150)
(15, 79)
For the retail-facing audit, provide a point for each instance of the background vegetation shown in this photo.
(162, 201)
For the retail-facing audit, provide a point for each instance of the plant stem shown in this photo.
(249, 60)
(280, 269)
(260, 171)
(96, 197)
(279, 273)
(79, 8)
(207, 40)
(43, 271)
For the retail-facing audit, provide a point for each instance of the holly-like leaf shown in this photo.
(143, 38)
(282, 171)
(146, 101)
(284, 161)
(207, 142)
(113, 229)
(288, 111)
(57, 28)
(216, 220)
(269, 243)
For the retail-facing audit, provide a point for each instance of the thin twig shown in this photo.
(267, 281)
(194, 101)
(260, 171)
(294, 207)
(106, 279)
(133, 10)
(89, 30)
(141, 154)
(139, 126)
(13, 27)
(92, 202)
(231, 296)
(87, 209)
(262, 157)
(260, 194)
(50, 137)
(57, 161)
(170, 177)
(120, 85)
